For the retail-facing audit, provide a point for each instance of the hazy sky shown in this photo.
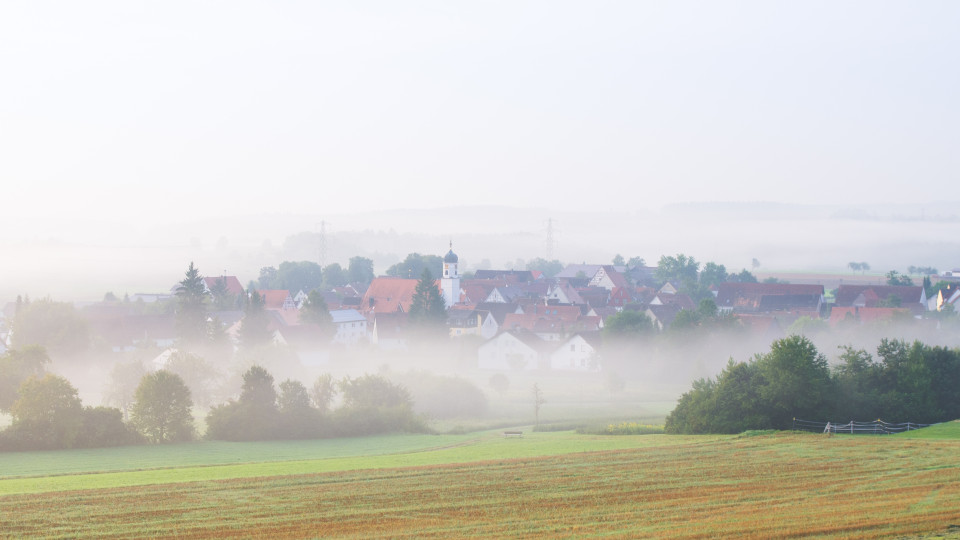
(174, 110)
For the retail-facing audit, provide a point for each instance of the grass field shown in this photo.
(545, 484)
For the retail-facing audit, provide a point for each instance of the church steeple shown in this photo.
(450, 280)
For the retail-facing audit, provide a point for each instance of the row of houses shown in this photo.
(525, 320)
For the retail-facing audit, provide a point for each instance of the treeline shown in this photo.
(48, 414)
(905, 382)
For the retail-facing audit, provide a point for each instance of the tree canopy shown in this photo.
(161, 410)
(415, 264)
(427, 308)
(191, 314)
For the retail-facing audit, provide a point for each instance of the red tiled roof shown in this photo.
(233, 284)
(748, 295)
(847, 294)
(274, 298)
(389, 295)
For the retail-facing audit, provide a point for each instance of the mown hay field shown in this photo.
(763, 486)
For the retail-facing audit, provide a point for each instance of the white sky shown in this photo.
(174, 110)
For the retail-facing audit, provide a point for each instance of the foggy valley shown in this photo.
(479, 270)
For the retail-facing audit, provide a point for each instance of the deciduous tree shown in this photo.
(161, 410)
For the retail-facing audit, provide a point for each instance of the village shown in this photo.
(526, 320)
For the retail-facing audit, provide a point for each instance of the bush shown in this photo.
(102, 427)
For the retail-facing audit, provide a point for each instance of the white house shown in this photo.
(511, 351)
(578, 353)
(351, 326)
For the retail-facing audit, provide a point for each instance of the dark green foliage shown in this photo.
(102, 427)
(161, 410)
(427, 309)
(627, 325)
(334, 276)
(191, 309)
(297, 418)
(16, 366)
(415, 264)
(255, 416)
(910, 382)
(298, 276)
(360, 270)
(681, 270)
(46, 416)
(549, 268)
(373, 404)
(795, 382)
(896, 278)
(791, 380)
(314, 311)
(713, 274)
(222, 299)
(254, 329)
(743, 277)
(56, 326)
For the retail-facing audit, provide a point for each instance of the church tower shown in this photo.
(450, 281)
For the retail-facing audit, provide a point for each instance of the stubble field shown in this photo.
(762, 486)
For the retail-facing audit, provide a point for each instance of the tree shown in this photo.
(56, 326)
(360, 270)
(685, 320)
(267, 279)
(415, 264)
(314, 311)
(222, 299)
(636, 262)
(323, 391)
(254, 416)
(680, 269)
(16, 366)
(298, 276)
(191, 314)
(713, 274)
(103, 426)
(864, 267)
(755, 263)
(896, 279)
(538, 402)
(855, 266)
(254, 329)
(627, 325)
(122, 385)
(427, 308)
(298, 420)
(161, 410)
(372, 404)
(196, 373)
(334, 276)
(549, 268)
(795, 381)
(743, 277)
(47, 414)
(618, 260)
(372, 391)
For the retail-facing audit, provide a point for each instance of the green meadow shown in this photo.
(556, 484)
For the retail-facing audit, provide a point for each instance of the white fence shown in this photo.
(876, 427)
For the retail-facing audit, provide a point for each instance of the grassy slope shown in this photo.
(946, 430)
(764, 486)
